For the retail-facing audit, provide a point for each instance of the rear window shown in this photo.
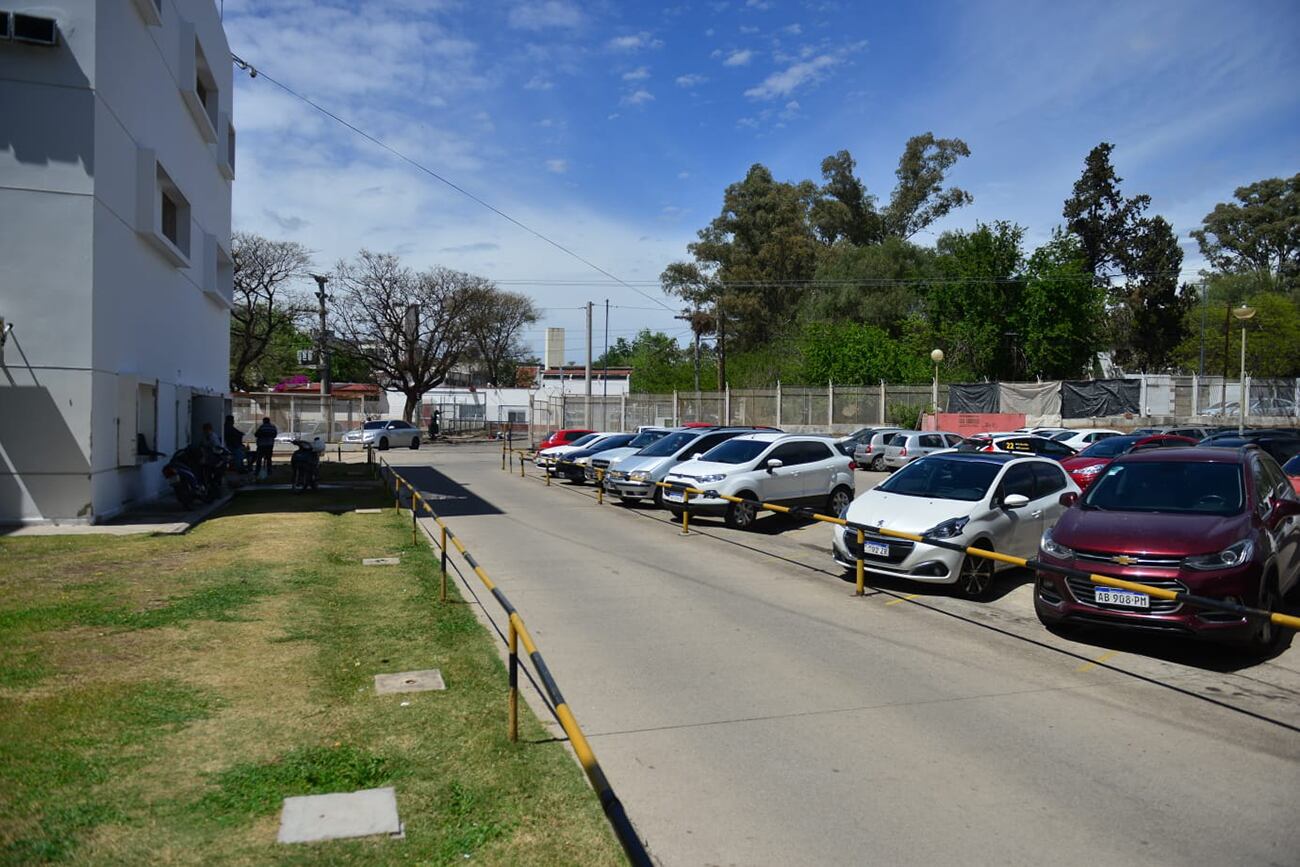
(376, 425)
(669, 445)
(582, 440)
(1174, 487)
(943, 478)
(1110, 447)
(736, 451)
(1292, 467)
(646, 437)
(898, 440)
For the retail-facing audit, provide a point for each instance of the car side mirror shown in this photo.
(697, 456)
(1068, 499)
(774, 464)
(1015, 501)
(1285, 508)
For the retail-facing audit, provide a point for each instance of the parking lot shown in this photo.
(749, 709)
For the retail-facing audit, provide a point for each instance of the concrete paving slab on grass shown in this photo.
(369, 511)
(381, 561)
(409, 681)
(309, 818)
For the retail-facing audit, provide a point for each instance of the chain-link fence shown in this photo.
(303, 415)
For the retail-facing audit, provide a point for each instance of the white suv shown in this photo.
(785, 469)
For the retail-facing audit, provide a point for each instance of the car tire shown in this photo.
(415, 443)
(975, 577)
(1268, 637)
(741, 516)
(878, 464)
(838, 500)
(383, 444)
(628, 501)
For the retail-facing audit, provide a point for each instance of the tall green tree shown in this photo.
(844, 210)
(920, 198)
(1147, 316)
(1259, 232)
(265, 304)
(878, 284)
(1061, 311)
(856, 354)
(972, 307)
(1272, 337)
(1099, 215)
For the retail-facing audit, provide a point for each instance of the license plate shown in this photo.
(876, 549)
(672, 495)
(1126, 598)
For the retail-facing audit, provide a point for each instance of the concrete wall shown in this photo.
(105, 315)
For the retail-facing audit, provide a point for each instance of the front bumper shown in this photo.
(622, 486)
(911, 560)
(1058, 599)
(698, 504)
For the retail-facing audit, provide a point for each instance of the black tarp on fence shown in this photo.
(1099, 397)
(976, 397)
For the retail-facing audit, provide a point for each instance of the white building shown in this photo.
(116, 163)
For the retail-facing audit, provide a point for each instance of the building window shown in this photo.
(162, 211)
(173, 214)
(226, 147)
(205, 85)
(197, 83)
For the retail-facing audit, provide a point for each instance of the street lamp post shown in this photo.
(936, 356)
(1243, 314)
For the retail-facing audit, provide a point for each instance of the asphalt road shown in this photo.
(748, 709)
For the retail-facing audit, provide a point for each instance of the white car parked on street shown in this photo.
(546, 459)
(996, 501)
(908, 445)
(383, 434)
(786, 469)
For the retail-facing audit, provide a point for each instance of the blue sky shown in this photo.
(613, 128)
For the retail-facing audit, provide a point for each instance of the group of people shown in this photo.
(233, 441)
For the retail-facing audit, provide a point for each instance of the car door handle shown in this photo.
(1036, 514)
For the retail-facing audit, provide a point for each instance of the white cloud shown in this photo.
(681, 176)
(641, 73)
(634, 42)
(638, 97)
(539, 83)
(786, 81)
(709, 32)
(740, 57)
(557, 167)
(614, 116)
(690, 80)
(748, 29)
(793, 29)
(758, 4)
(541, 16)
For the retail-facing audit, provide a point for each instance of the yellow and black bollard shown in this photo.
(415, 527)
(862, 580)
(600, 487)
(521, 465)
(686, 513)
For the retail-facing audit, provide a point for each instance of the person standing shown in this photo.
(235, 443)
(265, 437)
(433, 425)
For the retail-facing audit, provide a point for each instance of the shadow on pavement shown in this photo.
(448, 498)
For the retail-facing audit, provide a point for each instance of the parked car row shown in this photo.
(1219, 518)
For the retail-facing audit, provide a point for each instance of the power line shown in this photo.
(253, 72)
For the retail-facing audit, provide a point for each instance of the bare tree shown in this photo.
(264, 305)
(496, 321)
(409, 327)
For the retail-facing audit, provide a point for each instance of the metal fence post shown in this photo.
(861, 567)
(521, 465)
(514, 681)
(503, 455)
(778, 403)
(442, 587)
(415, 527)
(882, 401)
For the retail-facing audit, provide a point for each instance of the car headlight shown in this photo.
(948, 529)
(582, 462)
(1236, 554)
(716, 477)
(1052, 548)
(638, 476)
(1092, 470)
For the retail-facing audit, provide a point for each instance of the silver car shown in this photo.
(870, 453)
(906, 446)
(635, 477)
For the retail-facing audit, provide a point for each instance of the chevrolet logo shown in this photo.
(1124, 560)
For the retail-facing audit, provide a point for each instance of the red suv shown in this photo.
(562, 437)
(1212, 522)
(1088, 464)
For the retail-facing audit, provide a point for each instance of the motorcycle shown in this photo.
(184, 473)
(304, 464)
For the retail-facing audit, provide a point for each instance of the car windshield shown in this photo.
(583, 439)
(646, 437)
(376, 425)
(669, 445)
(1176, 487)
(1109, 447)
(735, 451)
(943, 479)
(614, 442)
(1292, 467)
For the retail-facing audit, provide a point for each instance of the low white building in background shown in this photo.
(117, 155)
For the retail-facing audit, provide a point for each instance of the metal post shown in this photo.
(1241, 420)
(503, 455)
(415, 527)
(600, 487)
(675, 416)
(686, 513)
(726, 405)
(830, 404)
(521, 465)
(586, 406)
(862, 581)
(397, 493)
(882, 401)
(442, 584)
(622, 411)
(514, 680)
(1196, 395)
(778, 403)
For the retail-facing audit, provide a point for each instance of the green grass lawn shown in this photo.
(159, 696)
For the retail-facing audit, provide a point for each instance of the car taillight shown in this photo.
(169, 471)
(868, 449)
(988, 448)
(902, 453)
(853, 465)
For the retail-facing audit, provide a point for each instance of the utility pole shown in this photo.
(691, 318)
(1204, 297)
(586, 411)
(604, 382)
(322, 338)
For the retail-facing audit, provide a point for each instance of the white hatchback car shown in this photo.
(546, 459)
(996, 501)
(1083, 437)
(786, 469)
